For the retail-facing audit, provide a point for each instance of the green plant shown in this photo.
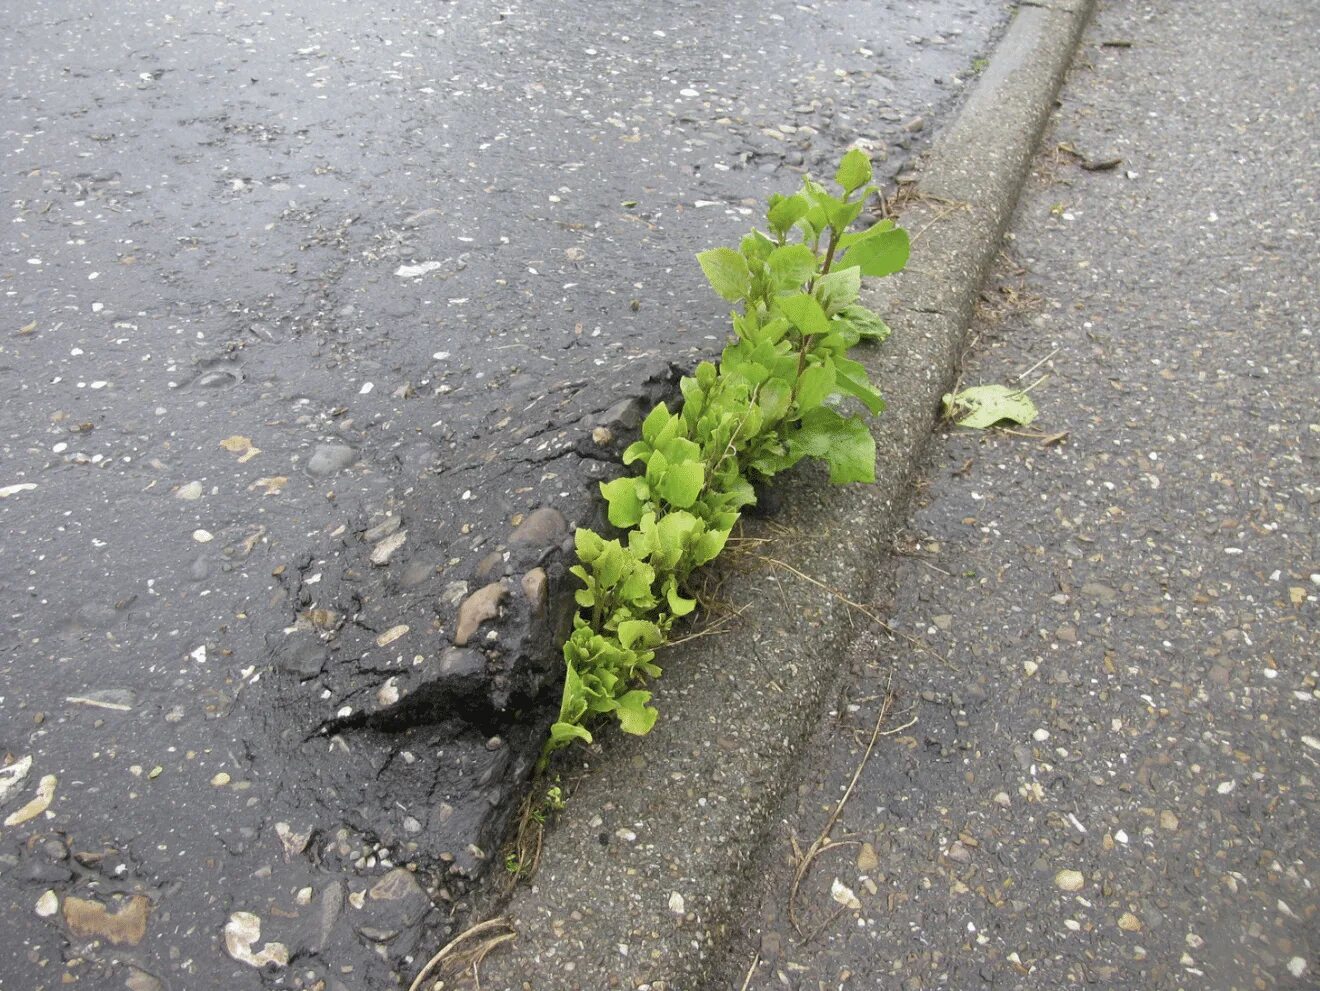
(773, 399)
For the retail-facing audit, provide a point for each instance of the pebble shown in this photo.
(383, 529)
(220, 780)
(844, 895)
(534, 589)
(1069, 880)
(190, 492)
(382, 552)
(1129, 923)
(542, 528)
(203, 536)
(327, 459)
(48, 904)
(415, 271)
(477, 608)
(392, 634)
(866, 859)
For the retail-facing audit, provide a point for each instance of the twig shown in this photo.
(946, 212)
(1037, 364)
(483, 949)
(747, 981)
(804, 863)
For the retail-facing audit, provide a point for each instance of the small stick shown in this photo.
(823, 839)
(467, 934)
(747, 981)
(1037, 364)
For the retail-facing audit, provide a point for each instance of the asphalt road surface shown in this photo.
(1100, 768)
(321, 319)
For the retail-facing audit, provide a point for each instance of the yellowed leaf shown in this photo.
(242, 446)
(273, 485)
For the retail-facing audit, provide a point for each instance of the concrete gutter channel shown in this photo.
(638, 879)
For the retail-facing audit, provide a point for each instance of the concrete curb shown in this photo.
(638, 882)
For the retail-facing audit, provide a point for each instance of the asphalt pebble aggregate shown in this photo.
(1099, 763)
(321, 324)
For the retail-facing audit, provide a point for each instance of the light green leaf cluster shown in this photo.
(777, 395)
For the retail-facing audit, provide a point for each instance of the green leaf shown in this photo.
(845, 445)
(774, 399)
(866, 323)
(985, 405)
(708, 546)
(804, 312)
(655, 422)
(814, 385)
(625, 509)
(850, 377)
(756, 246)
(792, 265)
(848, 240)
(562, 734)
(785, 211)
(815, 219)
(678, 605)
(727, 272)
(588, 543)
(854, 171)
(838, 289)
(682, 483)
(842, 215)
(883, 254)
(637, 634)
(635, 716)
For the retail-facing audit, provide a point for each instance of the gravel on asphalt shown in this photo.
(1101, 767)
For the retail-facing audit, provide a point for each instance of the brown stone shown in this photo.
(542, 528)
(90, 918)
(534, 588)
(477, 608)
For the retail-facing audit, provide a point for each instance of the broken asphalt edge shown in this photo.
(639, 880)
